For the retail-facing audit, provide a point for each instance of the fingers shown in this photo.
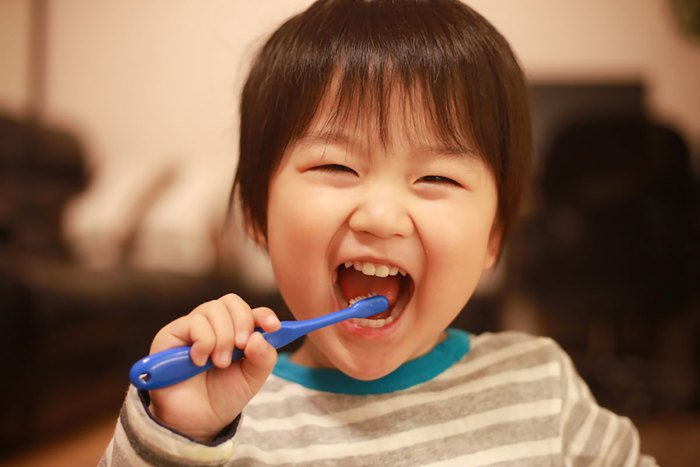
(241, 316)
(266, 319)
(231, 323)
(260, 356)
(214, 328)
(203, 338)
(260, 359)
(212, 334)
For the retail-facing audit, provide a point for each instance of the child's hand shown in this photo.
(202, 406)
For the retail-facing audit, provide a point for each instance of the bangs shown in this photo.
(373, 93)
(381, 60)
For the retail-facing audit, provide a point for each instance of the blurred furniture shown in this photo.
(606, 255)
(69, 335)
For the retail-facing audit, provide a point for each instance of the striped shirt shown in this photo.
(512, 399)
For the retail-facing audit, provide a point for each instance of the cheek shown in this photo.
(301, 227)
(289, 243)
(299, 218)
(456, 250)
(291, 225)
(457, 254)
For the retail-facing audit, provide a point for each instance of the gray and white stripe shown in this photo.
(513, 400)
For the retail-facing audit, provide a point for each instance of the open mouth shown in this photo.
(356, 280)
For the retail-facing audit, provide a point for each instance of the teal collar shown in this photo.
(411, 373)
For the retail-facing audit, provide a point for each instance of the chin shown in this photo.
(361, 371)
(368, 376)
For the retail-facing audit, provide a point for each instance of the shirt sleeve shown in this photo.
(591, 434)
(139, 440)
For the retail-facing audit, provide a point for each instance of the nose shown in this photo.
(382, 212)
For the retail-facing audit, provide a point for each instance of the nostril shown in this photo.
(382, 219)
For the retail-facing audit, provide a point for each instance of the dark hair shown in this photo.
(440, 52)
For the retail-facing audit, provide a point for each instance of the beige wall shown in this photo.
(172, 59)
(14, 56)
(607, 40)
(150, 88)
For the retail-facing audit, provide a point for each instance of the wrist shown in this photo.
(201, 435)
(158, 444)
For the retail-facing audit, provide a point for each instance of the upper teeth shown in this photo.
(371, 269)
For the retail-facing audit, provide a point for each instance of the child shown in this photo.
(384, 146)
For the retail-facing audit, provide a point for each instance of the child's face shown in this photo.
(341, 196)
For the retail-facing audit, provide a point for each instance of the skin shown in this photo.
(340, 195)
(202, 406)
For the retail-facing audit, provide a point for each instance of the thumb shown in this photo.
(260, 359)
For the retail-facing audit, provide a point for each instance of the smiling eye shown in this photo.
(438, 179)
(333, 168)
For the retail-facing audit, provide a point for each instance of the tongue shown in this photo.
(354, 284)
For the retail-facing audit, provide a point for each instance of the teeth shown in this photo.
(371, 269)
(378, 270)
(378, 323)
(352, 301)
(382, 271)
(368, 269)
(374, 323)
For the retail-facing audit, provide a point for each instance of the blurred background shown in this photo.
(118, 128)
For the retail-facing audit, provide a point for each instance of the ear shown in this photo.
(493, 248)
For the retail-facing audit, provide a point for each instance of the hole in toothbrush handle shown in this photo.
(165, 368)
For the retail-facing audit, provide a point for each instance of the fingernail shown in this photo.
(271, 321)
(225, 357)
(242, 337)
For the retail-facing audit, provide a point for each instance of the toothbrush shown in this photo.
(172, 366)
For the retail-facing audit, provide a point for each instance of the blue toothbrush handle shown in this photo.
(169, 367)
(172, 366)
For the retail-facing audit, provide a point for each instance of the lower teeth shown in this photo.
(352, 301)
(372, 323)
(381, 322)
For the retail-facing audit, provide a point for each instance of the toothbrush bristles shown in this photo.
(352, 301)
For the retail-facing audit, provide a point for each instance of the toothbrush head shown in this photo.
(368, 307)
